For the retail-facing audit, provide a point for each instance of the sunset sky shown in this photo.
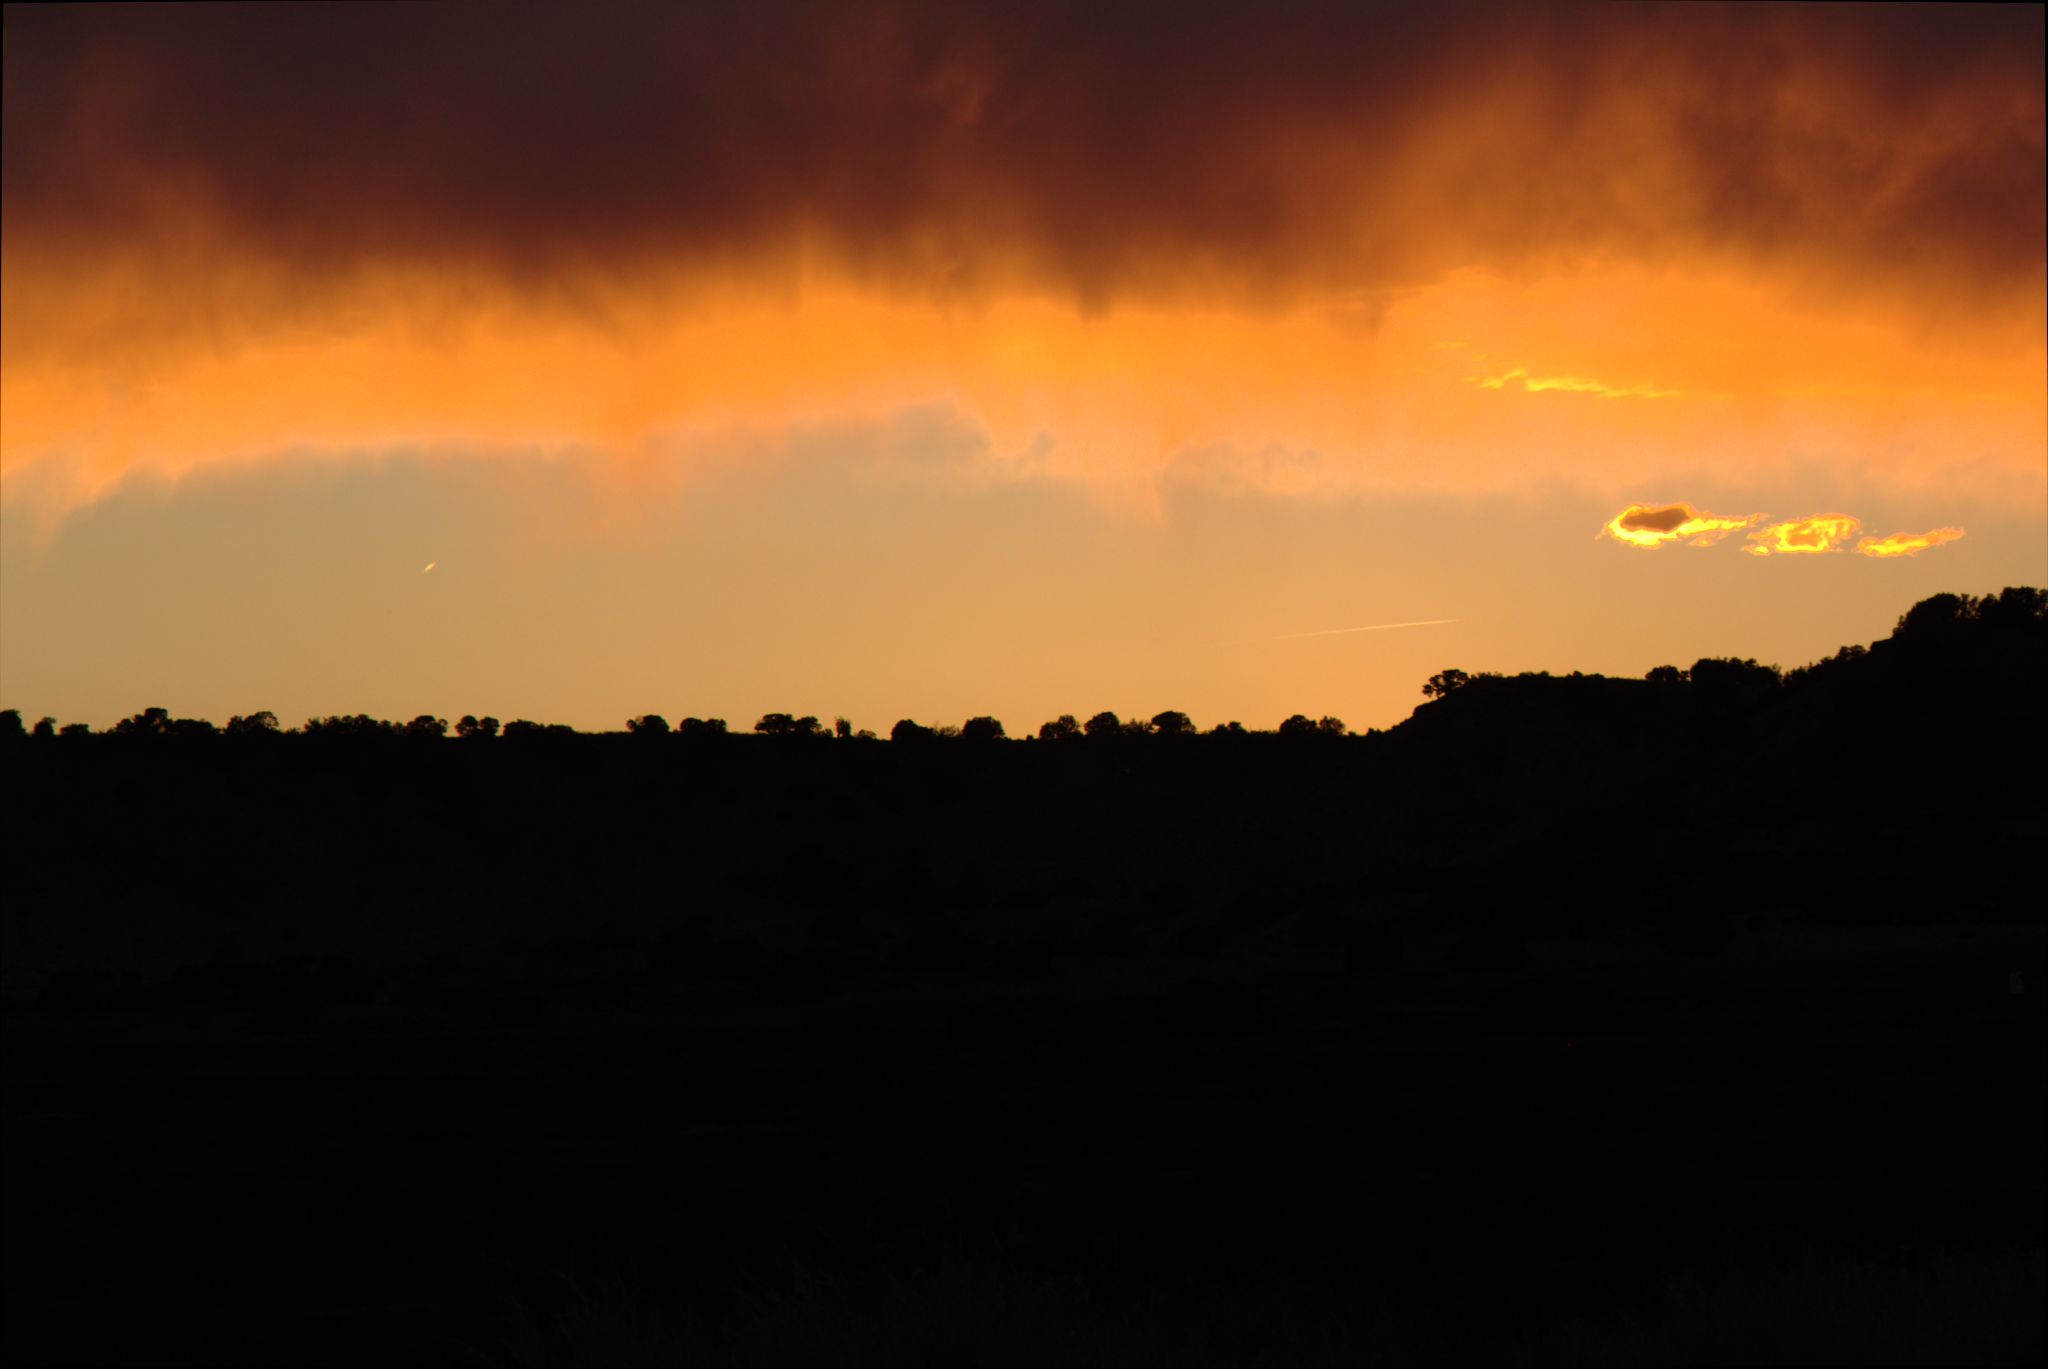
(928, 360)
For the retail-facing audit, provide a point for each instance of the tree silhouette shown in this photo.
(1103, 725)
(2014, 608)
(1445, 683)
(157, 722)
(699, 728)
(522, 729)
(1172, 723)
(1733, 678)
(983, 729)
(470, 725)
(262, 723)
(350, 725)
(426, 725)
(45, 727)
(907, 731)
(1935, 616)
(150, 722)
(783, 725)
(648, 725)
(1060, 729)
(10, 724)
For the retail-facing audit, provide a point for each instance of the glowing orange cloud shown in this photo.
(1821, 532)
(215, 251)
(116, 378)
(1649, 526)
(1906, 543)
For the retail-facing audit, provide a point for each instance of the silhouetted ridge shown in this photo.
(1953, 664)
(1565, 989)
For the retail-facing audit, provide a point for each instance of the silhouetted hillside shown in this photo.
(1567, 993)
(1883, 765)
(1955, 667)
(1846, 791)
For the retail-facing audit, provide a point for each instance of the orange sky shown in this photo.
(1036, 278)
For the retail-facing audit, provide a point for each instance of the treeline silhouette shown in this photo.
(157, 722)
(1566, 991)
(1940, 643)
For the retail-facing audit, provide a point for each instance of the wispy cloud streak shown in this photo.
(1340, 631)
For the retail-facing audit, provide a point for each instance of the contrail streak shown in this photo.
(1375, 627)
(1337, 631)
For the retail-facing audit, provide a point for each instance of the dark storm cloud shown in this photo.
(1098, 151)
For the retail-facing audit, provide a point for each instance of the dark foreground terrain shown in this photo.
(1576, 1019)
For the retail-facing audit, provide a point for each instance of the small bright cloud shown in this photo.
(1577, 385)
(429, 566)
(1813, 535)
(1649, 526)
(1906, 543)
